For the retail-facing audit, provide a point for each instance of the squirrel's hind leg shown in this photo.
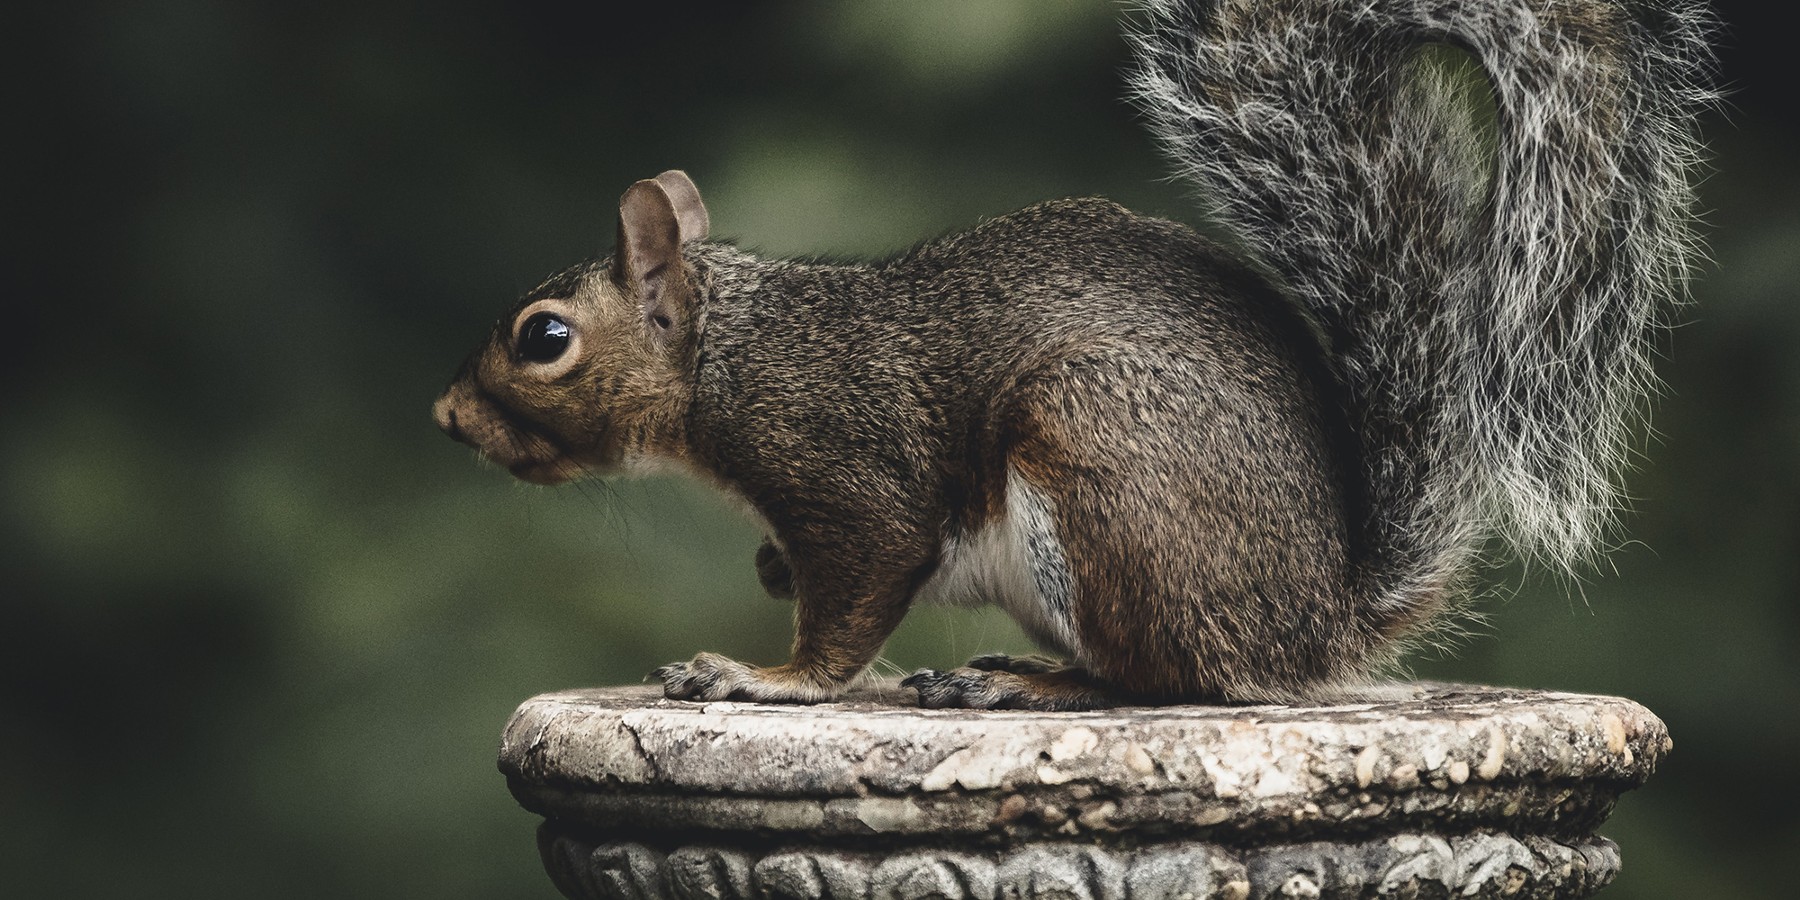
(1199, 521)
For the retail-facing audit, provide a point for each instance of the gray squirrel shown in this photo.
(1191, 473)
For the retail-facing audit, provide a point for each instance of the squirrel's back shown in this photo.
(947, 325)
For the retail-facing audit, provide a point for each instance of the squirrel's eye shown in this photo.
(544, 338)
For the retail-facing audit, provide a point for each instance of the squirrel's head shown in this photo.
(595, 366)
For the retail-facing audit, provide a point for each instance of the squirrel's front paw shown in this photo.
(773, 571)
(710, 676)
(707, 676)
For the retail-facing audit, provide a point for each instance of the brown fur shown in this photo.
(871, 413)
(1194, 485)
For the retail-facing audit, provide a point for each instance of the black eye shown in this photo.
(544, 338)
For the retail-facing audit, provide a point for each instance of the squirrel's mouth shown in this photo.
(529, 456)
(498, 438)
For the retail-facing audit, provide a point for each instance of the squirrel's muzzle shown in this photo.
(443, 412)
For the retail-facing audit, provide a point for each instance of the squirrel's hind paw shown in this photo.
(1018, 665)
(1063, 690)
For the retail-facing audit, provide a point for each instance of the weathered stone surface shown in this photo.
(1447, 758)
(1441, 791)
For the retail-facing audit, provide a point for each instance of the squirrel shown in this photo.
(1192, 472)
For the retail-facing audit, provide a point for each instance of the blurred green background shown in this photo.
(263, 622)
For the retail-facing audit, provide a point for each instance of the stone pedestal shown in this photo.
(1447, 791)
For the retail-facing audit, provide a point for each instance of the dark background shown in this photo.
(263, 623)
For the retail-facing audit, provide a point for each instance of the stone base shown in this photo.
(1438, 791)
(1401, 866)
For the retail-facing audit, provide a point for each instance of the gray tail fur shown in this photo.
(1491, 310)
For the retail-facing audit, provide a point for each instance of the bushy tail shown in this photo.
(1490, 302)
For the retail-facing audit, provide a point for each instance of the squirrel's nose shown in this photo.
(444, 414)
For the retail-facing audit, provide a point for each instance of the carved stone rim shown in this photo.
(1441, 758)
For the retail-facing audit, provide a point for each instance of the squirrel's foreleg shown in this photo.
(842, 617)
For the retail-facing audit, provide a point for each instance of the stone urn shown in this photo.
(1442, 791)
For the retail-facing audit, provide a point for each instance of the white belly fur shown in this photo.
(1016, 563)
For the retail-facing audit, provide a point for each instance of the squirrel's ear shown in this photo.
(689, 211)
(648, 263)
